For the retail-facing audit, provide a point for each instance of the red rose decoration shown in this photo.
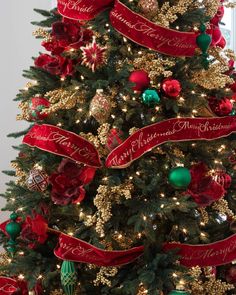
(34, 230)
(55, 65)
(171, 87)
(67, 183)
(203, 188)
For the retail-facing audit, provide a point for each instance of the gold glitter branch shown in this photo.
(153, 65)
(104, 274)
(43, 34)
(222, 207)
(20, 174)
(104, 199)
(212, 78)
(229, 4)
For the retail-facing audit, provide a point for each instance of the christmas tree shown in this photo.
(125, 179)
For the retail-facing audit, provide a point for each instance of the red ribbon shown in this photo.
(133, 26)
(218, 253)
(73, 249)
(172, 130)
(63, 143)
(8, 286)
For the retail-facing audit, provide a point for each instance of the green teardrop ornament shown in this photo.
(203, 40)
(13, 229)
(68, 277)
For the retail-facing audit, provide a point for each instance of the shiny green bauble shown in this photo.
(178, 292)
(13, 229)
(150, 97)
(179, 177)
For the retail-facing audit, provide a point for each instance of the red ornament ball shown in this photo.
(36, 105)
(140, 78)
(222, 107)
(37, 180)
(233, 87)
(231, 275)
(171, 87)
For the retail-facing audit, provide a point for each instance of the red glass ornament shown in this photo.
(36, 105)
(231, 274)
(222, 107)
(140, 78)
(171, 87)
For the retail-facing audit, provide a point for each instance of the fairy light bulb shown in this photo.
(21, 277)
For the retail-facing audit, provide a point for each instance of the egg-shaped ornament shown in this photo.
(37, 180)
(178, 292)
(221, 107)
(148, 8)
(150, 97)
(100, 106)
(171, 88)
(69, 277)
(179, 177)
(141, 80)
(36, 106)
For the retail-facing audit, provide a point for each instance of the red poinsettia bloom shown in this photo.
(67, 34)
(55, 65)
(34, 230)
(67, 183)
(203, 188)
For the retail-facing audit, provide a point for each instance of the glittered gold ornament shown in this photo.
(148, 7)
(100, 107)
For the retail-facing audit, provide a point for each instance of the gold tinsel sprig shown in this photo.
(204, 217)
(103, 201)
(57, 292)
(229, 4)
(20, 174)
(4, 261)
(40, 32)
(24, 106)
(104, 276)
(153, 65)
(212, 78)
(62, 99)
(222, 207)
(211, 7)
(209, 285)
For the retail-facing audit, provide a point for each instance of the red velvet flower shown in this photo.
(34, 230)
(203, 188)
(67, 183)
(55, 65)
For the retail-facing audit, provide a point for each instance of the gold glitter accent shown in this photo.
(153, 65)
(104, 199)
(133, 130)
(43, 34)
(4, 261)
(20, 174)
(123, 241)
(222, 207)
(24, 106)
(203, 215)
(61, 99)
(212, 78)
(229, 4)
(104, 274)
(211, 7)
(96, 142)
(103, 132)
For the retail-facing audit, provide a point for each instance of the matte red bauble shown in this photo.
(36, 105)
(140, 78)
(222, 107)
(171, 87)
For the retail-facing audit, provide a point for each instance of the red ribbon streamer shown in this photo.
(133, 26)
(218, 253)
(172, 130)
(63, 143)
(73, 249)
(8, 286)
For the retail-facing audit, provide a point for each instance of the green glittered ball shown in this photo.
(178, 292)
(150, 97)
(179, 177)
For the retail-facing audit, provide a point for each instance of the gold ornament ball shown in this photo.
(148, 7)
(100, 107)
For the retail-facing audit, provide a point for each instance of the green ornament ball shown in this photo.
(178, 292)
(179, 177)
(150, 97)
(13, 229)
